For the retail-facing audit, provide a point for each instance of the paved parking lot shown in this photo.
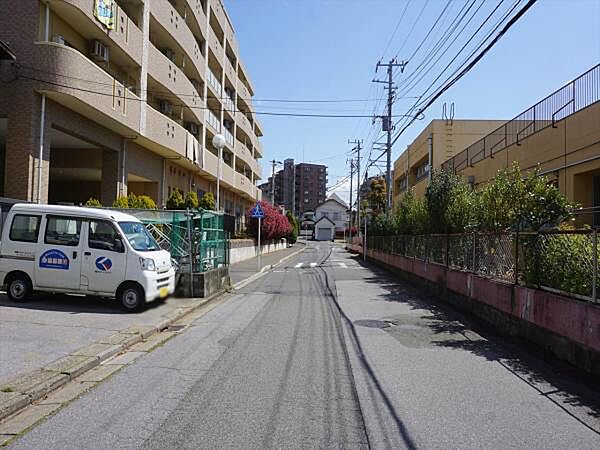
(49, 327)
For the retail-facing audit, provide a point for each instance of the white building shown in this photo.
(336, 211)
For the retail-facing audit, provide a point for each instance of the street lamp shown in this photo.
(218, 142)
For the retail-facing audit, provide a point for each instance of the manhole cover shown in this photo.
(372, 323)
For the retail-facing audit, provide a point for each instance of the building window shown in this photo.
(422, 171)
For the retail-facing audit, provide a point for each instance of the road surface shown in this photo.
(325, 352)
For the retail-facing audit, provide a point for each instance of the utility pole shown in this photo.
(387, 124)
(358, 143)
(273, 164)
(350, 217)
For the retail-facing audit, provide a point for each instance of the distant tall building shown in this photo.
(298, 187)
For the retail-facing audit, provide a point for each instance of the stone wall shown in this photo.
(242, 249)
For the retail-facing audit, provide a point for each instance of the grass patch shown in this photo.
(7, 389)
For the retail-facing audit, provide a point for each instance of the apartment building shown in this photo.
(297, 187)
(116, 96)
(560, 134)
(440, 140)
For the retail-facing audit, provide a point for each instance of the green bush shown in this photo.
(133, 201)
(175, 200)
(191, 200)
(93, 203)
(411, 215)
(207, 201)
(559, 261)
(293, 236)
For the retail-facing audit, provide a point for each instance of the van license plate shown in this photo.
(163, 292)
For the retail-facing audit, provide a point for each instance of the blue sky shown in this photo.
(317, 49)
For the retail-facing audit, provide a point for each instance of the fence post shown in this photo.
(447, 251)
(473, 268)
(517, 257)
(595, 263)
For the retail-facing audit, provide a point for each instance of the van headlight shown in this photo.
(147, 264)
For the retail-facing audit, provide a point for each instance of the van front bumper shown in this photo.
(159, 285)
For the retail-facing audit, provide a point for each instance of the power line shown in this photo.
(266, 113)
(396, 28)
(472, 64)
(430, 30)
(411, 29)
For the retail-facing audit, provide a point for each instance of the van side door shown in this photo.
(104, 258)
(58, 253)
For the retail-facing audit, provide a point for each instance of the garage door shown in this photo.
(324, 234)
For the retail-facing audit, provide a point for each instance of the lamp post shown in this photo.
(218, 142)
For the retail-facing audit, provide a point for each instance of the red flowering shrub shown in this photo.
(274, 225)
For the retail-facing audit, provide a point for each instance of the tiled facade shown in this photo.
(139, 119)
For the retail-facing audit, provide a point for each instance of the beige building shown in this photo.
(442, 139)
(125, 99)
(560, 135)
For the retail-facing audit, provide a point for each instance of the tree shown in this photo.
(175, 200)
(293, 237)
(121, 202)
(207, 201)
(273, 226)
(376, 197)
(93, 203)
(133, 201)
(411, 215)
(191, 200)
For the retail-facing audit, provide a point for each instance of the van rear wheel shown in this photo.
(18, 288)
(131, 297)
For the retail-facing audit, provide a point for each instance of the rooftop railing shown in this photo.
(571, 98)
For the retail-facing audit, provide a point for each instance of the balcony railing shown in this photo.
(228, 136)
(214, 82)
(571, 98)
(229, 103)
(213, 120)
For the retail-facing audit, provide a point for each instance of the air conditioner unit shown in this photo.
(169, 53)
(165, 107)
(58, 39)
(192, 128)
(99, 51)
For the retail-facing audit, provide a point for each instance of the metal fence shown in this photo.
(559, 261)
(573, 97)
(198, 233)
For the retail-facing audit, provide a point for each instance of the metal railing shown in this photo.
(564, 261)
(214, 82)
(213, 120)
(571, 98)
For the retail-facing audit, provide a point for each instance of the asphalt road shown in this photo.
(328, 353)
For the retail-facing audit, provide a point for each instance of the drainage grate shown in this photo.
(174, 328)
(370, 323)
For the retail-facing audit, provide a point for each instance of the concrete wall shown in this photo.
(243, 249)
(566, 327)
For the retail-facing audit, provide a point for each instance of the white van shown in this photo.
(82, 251)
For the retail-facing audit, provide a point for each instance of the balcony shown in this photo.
(126, 35)
(244, 123)
(196, 7)
(228, 136)
(164, 131)
(244, 185)
(168, 18)
(214, 83)
(166, 72)
(213, 121)
(99, 96)
(214, 44)
(229, 103)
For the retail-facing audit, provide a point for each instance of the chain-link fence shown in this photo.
(560, 261)
(198, 233)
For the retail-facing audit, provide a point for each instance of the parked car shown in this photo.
(73, 250)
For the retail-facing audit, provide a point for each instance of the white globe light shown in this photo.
(218, 141)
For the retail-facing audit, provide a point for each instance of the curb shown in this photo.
(265, 269)
(22, 391)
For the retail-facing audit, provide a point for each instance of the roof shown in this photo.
(6, 52)
(75, 211)
(334, 198)
(325, 218)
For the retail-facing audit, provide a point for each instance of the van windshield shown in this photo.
(138, 236)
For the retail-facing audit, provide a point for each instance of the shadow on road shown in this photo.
(72, 304)
(439, 325)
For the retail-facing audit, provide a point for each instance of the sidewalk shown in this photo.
(52, 339)
(243, 270)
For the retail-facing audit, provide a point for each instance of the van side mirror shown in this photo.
(118, 245)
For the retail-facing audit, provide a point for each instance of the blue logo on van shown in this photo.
(54, 259)
(103, 264)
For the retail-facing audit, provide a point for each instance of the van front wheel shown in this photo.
(131, 297)
(18, 288)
